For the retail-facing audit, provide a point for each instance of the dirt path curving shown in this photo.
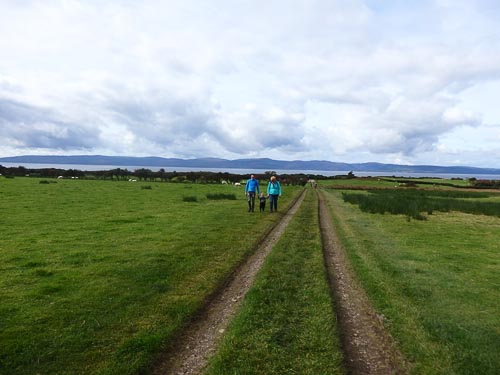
(193, 348)
(368, 349)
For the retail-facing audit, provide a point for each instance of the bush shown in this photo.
(219, 196)
(44, 182)
(190, 199)
(146, 187)
(488, 184)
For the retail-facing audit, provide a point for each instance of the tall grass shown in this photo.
(415, 202)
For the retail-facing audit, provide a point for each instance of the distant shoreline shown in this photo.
(244, 171)
(98, 162)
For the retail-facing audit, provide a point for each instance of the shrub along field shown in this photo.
(96, 276)
(436, 281)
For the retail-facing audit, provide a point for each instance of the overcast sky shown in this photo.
(391, 81)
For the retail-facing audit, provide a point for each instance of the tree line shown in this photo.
(144, 174)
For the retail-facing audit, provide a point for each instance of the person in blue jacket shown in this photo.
(251, 188)
(274, 191)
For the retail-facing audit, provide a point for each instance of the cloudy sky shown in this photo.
(391, 81)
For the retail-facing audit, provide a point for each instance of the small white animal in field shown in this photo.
(237, 184)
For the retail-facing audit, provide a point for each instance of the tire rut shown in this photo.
(198, 342)
(367, 347)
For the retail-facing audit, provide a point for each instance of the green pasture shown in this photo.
(393, 182)
(431, 182)
(97, 276)
(435, 281)
(287, 323)
(371, 182)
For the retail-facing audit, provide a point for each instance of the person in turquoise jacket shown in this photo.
(251, 188)
(274, 191)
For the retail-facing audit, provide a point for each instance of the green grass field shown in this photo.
(392, 182)
(97, 276)
(437, 282)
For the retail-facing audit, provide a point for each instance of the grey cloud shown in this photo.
(163, 122)
(12, 112)
(407, 140)
(33, 127)
(410, 126)
(281, 141)
(172, 122)
(383, 142)
(282, 135)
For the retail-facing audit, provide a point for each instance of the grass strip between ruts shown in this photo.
(286, 324)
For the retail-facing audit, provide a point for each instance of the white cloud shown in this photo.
(337, 80)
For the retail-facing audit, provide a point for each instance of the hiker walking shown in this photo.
(274, 191)
(251, 188)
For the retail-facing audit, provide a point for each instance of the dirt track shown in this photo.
(199, 341)
(367, 347)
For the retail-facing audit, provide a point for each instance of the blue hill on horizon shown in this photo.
(255, 163)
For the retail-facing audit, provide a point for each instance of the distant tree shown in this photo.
(143, 174)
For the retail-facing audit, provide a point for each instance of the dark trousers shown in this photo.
(273, 202)
(251, 200)
(262, 206)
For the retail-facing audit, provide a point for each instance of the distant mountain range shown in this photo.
(261, 163)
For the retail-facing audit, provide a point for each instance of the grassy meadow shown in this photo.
(97, 276)
(436, 281)
(392, 182)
